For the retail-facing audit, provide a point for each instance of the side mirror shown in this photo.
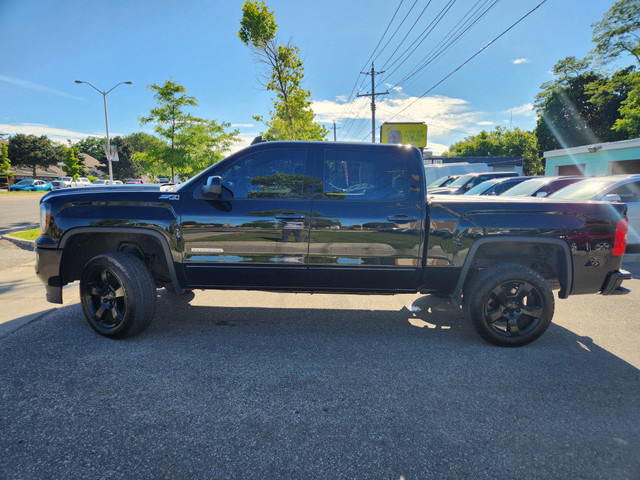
(213, 186)
(542, 194)
(612, 197)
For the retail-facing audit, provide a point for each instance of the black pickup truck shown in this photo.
(326, 217)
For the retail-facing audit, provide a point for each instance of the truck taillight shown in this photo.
(620, 240)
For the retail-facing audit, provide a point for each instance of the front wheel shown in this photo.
(509, 305)
(118, 295)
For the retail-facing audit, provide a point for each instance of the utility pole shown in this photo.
(334, 132)
(373, 94)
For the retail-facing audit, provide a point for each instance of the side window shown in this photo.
(364, 175)
(629, 192)
(267, 174)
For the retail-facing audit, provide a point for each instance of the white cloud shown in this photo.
(519, 61)
(242, 125)
(437, 148)
(525, 110)
(447, 118)
(37, 87)
(59, 135)
(484, 122)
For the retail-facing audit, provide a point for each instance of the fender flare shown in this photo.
(566, 273)
(134, 230)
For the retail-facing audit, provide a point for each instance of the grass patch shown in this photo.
(27, 234)
(22, 192)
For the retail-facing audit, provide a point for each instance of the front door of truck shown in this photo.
(367, 231)
(255, 234)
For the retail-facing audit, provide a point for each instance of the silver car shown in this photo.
(613, 188)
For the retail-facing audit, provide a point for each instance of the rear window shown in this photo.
(526, 188)
(584, 190)
(364, 175)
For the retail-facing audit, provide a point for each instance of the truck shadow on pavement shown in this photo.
(295, 390)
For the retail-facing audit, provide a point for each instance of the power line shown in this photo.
(472, 57)
(350, 97)
(396, 31)
(440, 49)
(409, 31)
(422, 37)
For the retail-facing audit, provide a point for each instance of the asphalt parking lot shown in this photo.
(265, 385)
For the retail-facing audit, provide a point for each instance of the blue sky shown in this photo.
(45, 45)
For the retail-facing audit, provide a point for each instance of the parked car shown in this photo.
(443, 181)
(134, 181)
(496, 186)
(31, 186)
(62, 182)
(613, 188)
(82, 182)
(540, 186)
(466, 182)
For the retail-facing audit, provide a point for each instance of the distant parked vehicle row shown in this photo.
(541, 186)
(31, 186)
(106, 182)
(496, 186)
(464, 183)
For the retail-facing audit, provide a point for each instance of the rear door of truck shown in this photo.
(367, 227)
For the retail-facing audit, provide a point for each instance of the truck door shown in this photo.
(256, 233)
(367, 229)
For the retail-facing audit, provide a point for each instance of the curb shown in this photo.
(20, 242)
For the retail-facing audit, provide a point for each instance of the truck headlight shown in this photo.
(45, 217)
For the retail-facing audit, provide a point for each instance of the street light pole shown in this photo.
(106, 120)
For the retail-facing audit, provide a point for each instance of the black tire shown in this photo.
(510, 305)
(118, 295)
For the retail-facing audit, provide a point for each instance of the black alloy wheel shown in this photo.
(118, 294)
(509, 304)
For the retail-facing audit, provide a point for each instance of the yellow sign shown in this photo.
(406, 133)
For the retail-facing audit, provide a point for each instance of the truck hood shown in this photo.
(109, 190)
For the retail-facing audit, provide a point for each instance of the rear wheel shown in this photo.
(509, 304)
(118, 295)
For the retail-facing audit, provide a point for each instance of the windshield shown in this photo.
(439, 182)
(584, 190)
(481, 187)
(25, 182)
(526, 188)
(460, 181)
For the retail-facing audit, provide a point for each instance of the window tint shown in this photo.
(267, 174)
(364, 175)
(629, 192)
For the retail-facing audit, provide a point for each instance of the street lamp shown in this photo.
(106, 120)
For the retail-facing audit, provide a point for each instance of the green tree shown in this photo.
(502, 142)
(629, 122)
(170, 120)
(189, 143)
(5, 163)
(617, 32)
(127, 165)
(579, 106)
(93, 146)
(292, 117)
(71, 164)
(32, 151)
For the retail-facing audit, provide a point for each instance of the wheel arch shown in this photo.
(81, 244)
(522, 250)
